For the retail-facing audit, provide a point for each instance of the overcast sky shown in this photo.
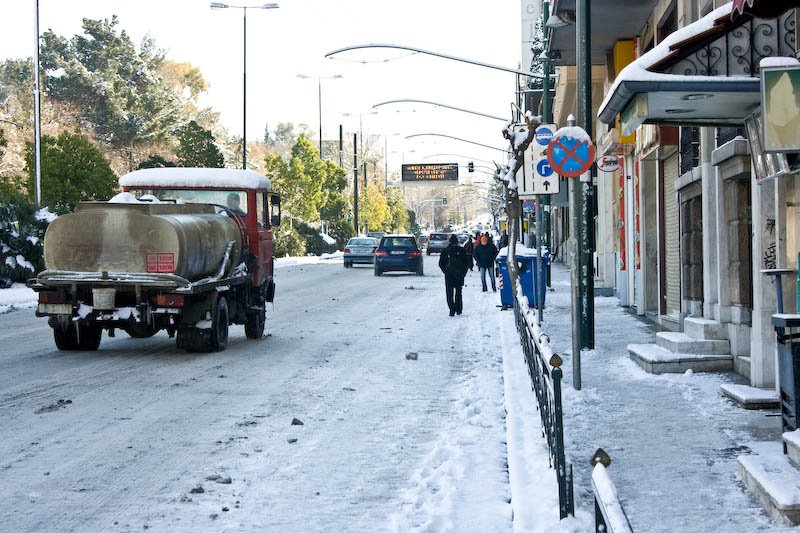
(292, 40)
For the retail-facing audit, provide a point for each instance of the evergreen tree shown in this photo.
(197, 148)
(72, 169)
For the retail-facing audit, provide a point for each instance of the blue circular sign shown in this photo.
(543, 135)
(544, 169)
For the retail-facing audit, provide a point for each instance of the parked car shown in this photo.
(359, 250)
(398, 252)
(437, 242)
(462, 238)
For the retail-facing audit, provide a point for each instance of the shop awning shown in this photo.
(705, 73)
(610, 21)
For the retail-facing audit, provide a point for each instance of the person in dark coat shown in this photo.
(453, 263)
(484, 258)
(504, 239)
(469, 247)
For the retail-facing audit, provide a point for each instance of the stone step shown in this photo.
(791, 440)
(741, 364)
(703, 328)
(678, 342)
(773, 479)
(751, 397)
(657, 360)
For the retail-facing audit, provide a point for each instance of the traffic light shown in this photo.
(471, 166)
(444, 200)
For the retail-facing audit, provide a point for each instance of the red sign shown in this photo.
(161, 263)
(571, 152)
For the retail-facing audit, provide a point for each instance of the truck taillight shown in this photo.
(52, 297)
(169, 300)
(161, 263)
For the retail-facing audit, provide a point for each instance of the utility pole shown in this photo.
(355, 181)
(581, 201)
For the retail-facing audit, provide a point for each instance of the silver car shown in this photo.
(360, 250)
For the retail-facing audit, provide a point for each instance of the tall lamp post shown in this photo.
(220, 5)
(319, 86)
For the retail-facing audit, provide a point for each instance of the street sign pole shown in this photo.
(583, 273)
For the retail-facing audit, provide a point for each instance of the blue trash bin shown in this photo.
(531, 271)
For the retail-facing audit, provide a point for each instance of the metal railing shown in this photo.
(544, 368)
(609, 516)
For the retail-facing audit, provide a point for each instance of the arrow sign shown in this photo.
(571, 152)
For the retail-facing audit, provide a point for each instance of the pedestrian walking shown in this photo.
(469, 248)
(484, 258)
(453, 263)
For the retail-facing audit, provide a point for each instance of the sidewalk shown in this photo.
(673, 439)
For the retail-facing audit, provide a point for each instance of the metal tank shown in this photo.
(188, 240)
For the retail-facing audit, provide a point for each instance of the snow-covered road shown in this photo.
(366, 408)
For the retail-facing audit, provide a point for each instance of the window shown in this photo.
(261, 202)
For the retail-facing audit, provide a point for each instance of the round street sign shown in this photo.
(608, 163)
(528, 206)
(543, 135)
(571, 152)
(543, 168)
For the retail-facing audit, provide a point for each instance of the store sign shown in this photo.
(608, 163)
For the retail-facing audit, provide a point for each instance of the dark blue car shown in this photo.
(398, 252)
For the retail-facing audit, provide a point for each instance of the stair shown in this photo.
(703, 328)
(655, 359)
(703, 347)
(751, 397)
(774, 479)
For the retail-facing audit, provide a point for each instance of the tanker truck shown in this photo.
(186, 250)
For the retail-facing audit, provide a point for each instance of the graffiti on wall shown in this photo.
(770, 258)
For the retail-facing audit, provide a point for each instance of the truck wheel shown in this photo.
(89, 337)
(254, 327)
(219, 326)
(66, 339)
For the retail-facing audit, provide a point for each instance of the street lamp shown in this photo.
(437, 104)
(319, 85)
(456, 139)
(220, 5)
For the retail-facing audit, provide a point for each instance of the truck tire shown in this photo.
(219, 326)
(65, 338)
(254, 327)
(89, 337)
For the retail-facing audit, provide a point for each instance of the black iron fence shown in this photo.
(544, 368)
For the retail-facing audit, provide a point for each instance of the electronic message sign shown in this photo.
(430, 172)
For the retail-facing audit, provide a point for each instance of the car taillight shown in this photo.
(347, 250)
(415, 253)
(381, 253)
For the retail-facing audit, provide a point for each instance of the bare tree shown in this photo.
(519, 138)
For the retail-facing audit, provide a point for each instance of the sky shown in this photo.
(293, 39)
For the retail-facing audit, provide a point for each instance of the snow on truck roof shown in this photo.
(223, 178)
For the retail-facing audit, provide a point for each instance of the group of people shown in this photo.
(456, 260)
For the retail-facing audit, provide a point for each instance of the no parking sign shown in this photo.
(571, 152)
